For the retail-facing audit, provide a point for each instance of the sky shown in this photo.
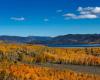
(49, 17)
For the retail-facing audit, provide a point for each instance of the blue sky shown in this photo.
(49, 17)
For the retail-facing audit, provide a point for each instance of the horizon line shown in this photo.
(52, 36)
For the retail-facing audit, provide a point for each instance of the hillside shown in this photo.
(64, 39)
(19, 39)
(71, 39)
(76, 38)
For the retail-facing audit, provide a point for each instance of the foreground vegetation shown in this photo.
(17, 62)
(26, 72)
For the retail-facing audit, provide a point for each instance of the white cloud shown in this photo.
(17, 18)
(84, 16)
(96, 10)
(80, 9)
(84, 13)
(85, 9)
(69, 14)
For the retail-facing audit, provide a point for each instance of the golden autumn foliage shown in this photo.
(26, 72)
(33, 53)
(17, 62)
(40, 54)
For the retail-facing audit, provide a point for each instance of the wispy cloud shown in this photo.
(83, 16)
(59, 11)
(84, 13)
(46, 19)
(17, 18)
(94, 10)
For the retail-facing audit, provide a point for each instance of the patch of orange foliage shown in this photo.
(38, 53)
(20, 54)
(26, 72)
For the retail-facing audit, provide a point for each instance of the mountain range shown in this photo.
(63, 39)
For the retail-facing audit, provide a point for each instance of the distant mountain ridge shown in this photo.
(19, 39)
(77, 39)
(64, 39)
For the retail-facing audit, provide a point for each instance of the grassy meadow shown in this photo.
(38, 62)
